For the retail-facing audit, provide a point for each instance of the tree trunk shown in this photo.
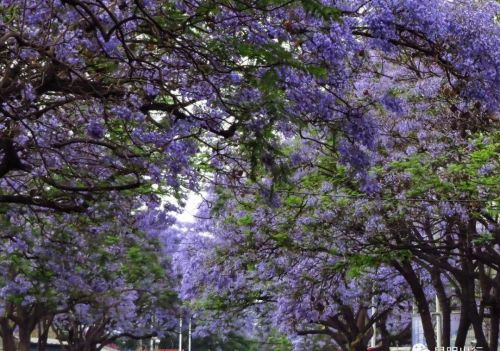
(385, 336)
(7, 332)
(85, 345)
(423, 306)
(42, 339)
(357, 344)
(469, 302)
(463, 327)
(9, 343)
(361, 347)
(446, 315)
(43, 332)
(478, 329)
(24, 339)
(495, 328)
(445, 305)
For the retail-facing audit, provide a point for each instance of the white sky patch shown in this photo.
(188, 216)
(193, 202)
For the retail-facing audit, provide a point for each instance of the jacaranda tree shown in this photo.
(111, 110)
(416, 189)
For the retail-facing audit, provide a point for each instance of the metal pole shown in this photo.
(189, 335)
(438, 323)
(180, 334)
(373, 340)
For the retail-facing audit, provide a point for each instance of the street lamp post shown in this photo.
(439, 327)
(180, 334)
(189, 335)
(373, 339)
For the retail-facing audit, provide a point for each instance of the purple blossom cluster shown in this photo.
(316, 126)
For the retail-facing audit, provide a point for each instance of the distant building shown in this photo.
(470, 342)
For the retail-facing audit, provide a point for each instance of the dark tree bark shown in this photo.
(463, 327)
(385, 337)
(24, 338)
(422, 305)
(467, 282)
(445, 304)
(43, 333)
(7, 334)
(495, 327)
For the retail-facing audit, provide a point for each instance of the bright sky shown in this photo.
(192, 203)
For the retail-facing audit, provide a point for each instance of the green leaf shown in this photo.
(318, 9)
(294, 201)
(246, 220)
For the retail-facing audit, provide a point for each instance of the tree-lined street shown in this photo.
(340, 160)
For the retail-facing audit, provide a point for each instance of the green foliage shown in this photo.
(294, 201)
(282, 239)
(317, 8)
(358, 264)
(140, 263)
(233, 342)
(246, 220)
(452, 178)
(265, 54)
(484, 239)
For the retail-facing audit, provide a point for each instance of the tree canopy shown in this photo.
(343, 147)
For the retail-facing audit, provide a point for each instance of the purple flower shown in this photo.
(392, 103)
(95, 130)
(29, 93)
(151, 90)
(486, 169)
